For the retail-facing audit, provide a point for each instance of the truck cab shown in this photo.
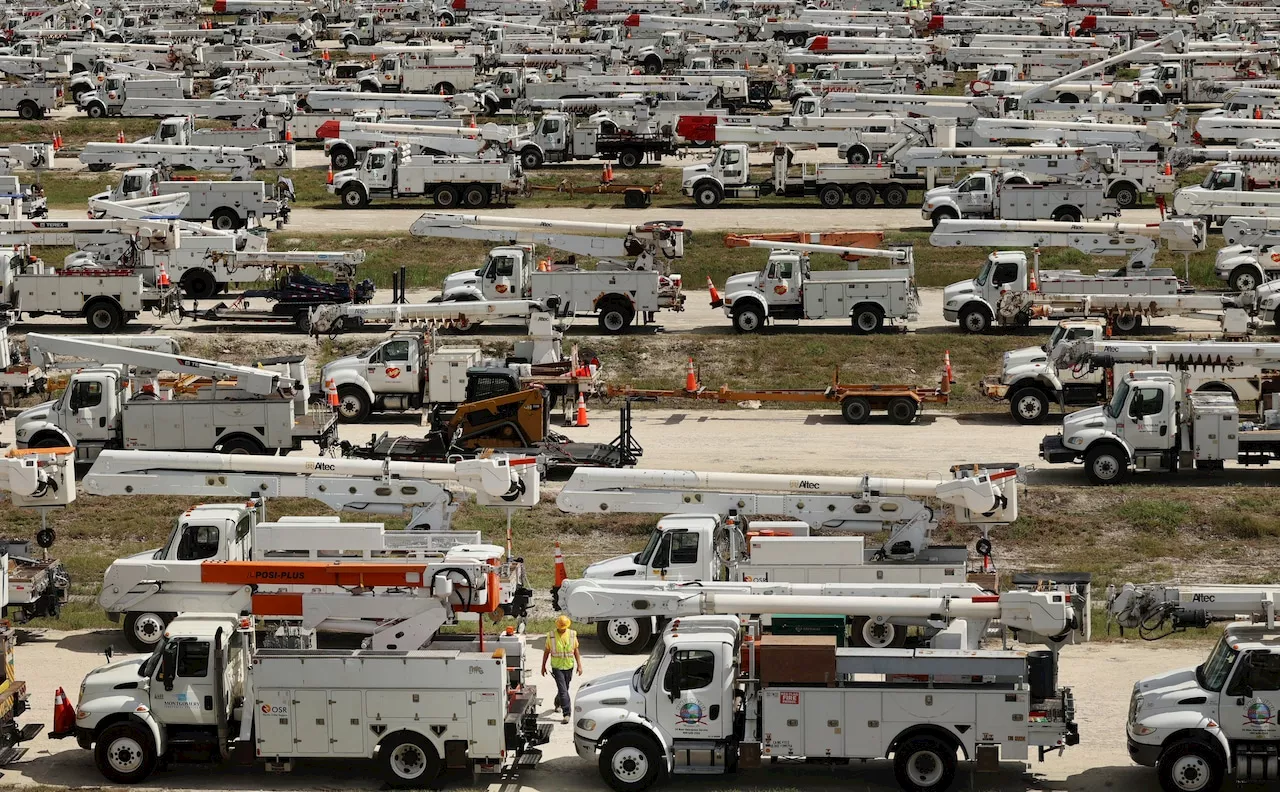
(87, 415)
(669, 48)
(729, 168)
(972, 196)
(681, 547)
(390, 375)
(503, 276)
(1198, 725)
(1031, 381)
(973, 303)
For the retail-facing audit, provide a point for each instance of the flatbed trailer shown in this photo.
(857, 401)
(634, 196)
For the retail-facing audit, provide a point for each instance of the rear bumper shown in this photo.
(1055, 452)
(993, 388)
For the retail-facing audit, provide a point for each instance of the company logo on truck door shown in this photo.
(690, 714)
(393, 372)
(1259, 715)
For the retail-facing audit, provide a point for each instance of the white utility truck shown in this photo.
(1153, 422)
(226, 205)
(789, 288)
(1010, 196)
(413, 711)
(450, 182)
(32, 101)
(617, 291)
(711, 700)
(701, 539)
(265, 411)
(1079, 363)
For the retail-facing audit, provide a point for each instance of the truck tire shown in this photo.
(408, 761)
(637, 199)
(1127, 323)
(198, 284)
(1190, 767)
(615, 317)
(225, 219)
(944, 213)
(1125, 195)
(475, 196)
(625, 636)
(1244, 278)
(240, 445)
(103, 316)
(902, 410)
(867, 318)
(530, 158)
(353, 196)
(144, 629)
(631, 761)
(1150, 97)
(630, 158)
(855, 409)
(1029, 405)
(924, 764)
(866, 632)
(975, 319)
(342, 158)
(125, 753)
(1065, 214)
(350, 41)
(707, 195)
(1107, 463)
(863, 196)
(653, 65)
(353, 405)
(858, 155)
(748, 318)
(831, 196)
(96, 110)
(30, 111)
(445, 197)
(894, 196)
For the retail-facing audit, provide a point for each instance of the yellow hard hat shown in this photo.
(562, 622)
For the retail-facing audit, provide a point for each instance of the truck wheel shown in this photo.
(1066, 214)
(225, 219)
(445, 196)
(96, 111)
(653, 66)
(353, 197)
(863, 196)
(353, 405)
(894, 196)
(29, 111)
(831, 196)
(342, 159)
(631, 158)
(1189, 767)
(631, 762)
(857, 156)
(1125, 196)
(1127, 323)
(199, 284)
(975, 319)
(1244, 278)
(408, 761)
(144, 629)
(870, 633)
(475, 196)
(1029, 405)
(855, 409)
(125, 753)
(902, 410)
(637, 199)
(240, 445)
(350, 41)
(615, 318)
(625, 636)
(530, 158)
(942, 214)
(867, 319)
(924, 764)
(1107, 464)
(748, 319)
(707, 195)
(103, 316)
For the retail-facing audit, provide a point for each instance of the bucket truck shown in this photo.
(700, 538)
(264, 411)
(787, 288)
(1079, 364)
(345, 140)
(1003, 292)
(392, 172)
(234, 159)
(710, 700)
(32, 101)
(617, 292)
(226, 205)
(148, 595)
(1011, 196)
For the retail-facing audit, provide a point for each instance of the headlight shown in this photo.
(586, 724)
(1141, 731)
(1075, 441)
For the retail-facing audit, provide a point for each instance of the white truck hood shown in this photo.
(958, 290)
(609, 692)
(692, 172)
(1076, 422)
(1021, 363)
(458, 280)
(1163, 692)
(740, 282)
(618, 566)
(104, 680)
(938, 192)
(31, 416)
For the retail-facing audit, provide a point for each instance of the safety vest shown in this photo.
(562, 647)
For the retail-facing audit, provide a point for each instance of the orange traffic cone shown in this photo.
(288, 136)
(582, 412)
(604, 173)
(608, 169)
(325, 55)
(331, 391)
(946, 362)
(879, 161)
(716, 302)
(164, 276)
(329, 178)
(690, 378)
(64, 716)
(120, 136)
(1032, 285)
(561, 574)
(1168, 169)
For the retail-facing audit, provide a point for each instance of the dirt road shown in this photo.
(1101, 674)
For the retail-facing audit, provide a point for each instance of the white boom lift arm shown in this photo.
(901, 255)
(1157, 610)
(1139, 241)
(355, 485)
(843, 503)
(333, 319)
(1199, 355)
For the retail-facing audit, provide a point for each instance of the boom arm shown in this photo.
(1188, 354)
(600, 239)
(1156, 607)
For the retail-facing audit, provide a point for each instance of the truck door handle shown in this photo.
(102, 421)
(1164, 430)
(715, 711)
(208, 703)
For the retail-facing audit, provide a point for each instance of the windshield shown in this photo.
(163, 552)
(148, 667)
(981, 280)
(1055, 337)
(647, 553)
(650, 668)
(1213, 674)
(1117, 401)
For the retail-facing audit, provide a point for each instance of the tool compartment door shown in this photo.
(311, 722)
(488, 719)
(1002, 720)
(942, 707)
(822, 300)
(273, 714)
(784, 722)
(823, 723)
(863, 736)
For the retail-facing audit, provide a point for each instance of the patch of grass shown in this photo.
(1158, 515)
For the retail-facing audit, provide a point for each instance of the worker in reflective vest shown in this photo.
(562, 650)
